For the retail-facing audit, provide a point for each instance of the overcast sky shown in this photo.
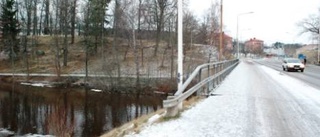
(272, 20)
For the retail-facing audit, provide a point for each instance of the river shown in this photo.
(38, 110)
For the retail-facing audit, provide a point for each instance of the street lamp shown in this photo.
(238, 31)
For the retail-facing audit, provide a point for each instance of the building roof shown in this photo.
(254, 39)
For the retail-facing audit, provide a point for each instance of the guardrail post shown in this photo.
(172, 111)
(208, 86)
(215, 73)
(199, 79)
(219, 77)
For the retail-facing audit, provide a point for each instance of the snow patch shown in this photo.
(27, 84)
(37, 84)
(37, 135)
(6, 132)
(96, 90)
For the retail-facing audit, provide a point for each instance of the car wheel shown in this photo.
(302, 70)
(284, 69)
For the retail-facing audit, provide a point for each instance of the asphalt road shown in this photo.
(311, 74)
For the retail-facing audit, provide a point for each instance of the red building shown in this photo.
(254, 45)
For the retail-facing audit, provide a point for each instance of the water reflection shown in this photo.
(75, 112)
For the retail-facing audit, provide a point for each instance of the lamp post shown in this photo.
(319, 47)
(238, 54)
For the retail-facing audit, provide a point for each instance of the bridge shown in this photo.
(257, 98)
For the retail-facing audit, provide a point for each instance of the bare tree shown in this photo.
(310, 25)
(208, 31)
(202, 33)
(190, 25)
(46, 26)
(73, 19)
(86, 39)
(213, 16)
(65, 5)
(40, 32)
(160, 7)
(131, 15)
(28, 8)
(116, 22)
(35, 16)
(56, 39)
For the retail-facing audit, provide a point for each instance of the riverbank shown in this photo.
(148, 86)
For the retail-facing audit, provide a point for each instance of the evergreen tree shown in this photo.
(97, 22)
(10, 28)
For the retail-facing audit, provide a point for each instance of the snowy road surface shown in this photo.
(253, 101)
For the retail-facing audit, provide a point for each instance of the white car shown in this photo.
(293, 64)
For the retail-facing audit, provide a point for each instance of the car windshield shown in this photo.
(294, 61)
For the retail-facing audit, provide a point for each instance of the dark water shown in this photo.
(63, 111)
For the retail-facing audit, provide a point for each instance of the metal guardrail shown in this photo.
(221, 69)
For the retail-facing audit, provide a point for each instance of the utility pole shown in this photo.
(173, 111)
(221, 31)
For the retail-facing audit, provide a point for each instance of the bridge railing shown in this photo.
(208, 76)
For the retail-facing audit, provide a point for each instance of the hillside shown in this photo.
(105, 61)
(76, 57)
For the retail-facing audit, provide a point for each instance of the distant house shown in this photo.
(272, 51)
(254, 45)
